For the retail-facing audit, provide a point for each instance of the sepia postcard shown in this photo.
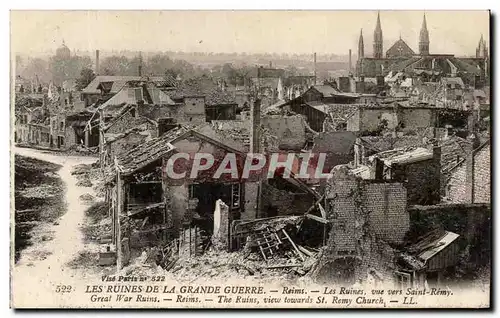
(250, 159)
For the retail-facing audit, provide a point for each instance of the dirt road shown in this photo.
(43, 275)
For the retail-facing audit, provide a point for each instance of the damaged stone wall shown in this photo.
(191, 111)
(371, 118)
(289, 130)
(413, 118)
(251, 192)
(356, 251)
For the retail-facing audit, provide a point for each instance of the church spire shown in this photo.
(423, 43)
(361, 46)
(378, 39)
(482, 50)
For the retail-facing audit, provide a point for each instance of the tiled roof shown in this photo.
(327, 90)
(132, 95)
(338, 111)
(437, 245)
(266, 82)
(453, 151)
(203, 87)
(92, 87)
(341, 142)
(404, 155)
(398, 45)
(231, 133)
(145, 153)
(384, 143)
(154, 149)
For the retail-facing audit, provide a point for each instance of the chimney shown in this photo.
(255, 129)
(315, 75)
(378, 168)
(350, 61)
(436, 152)
(357, 153)
(270, 64)
(96, 62)
(472, 125)
(140, 64)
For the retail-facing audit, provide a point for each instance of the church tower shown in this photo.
(423, 42)
(482, 50)
(361, 46)
(378, 47)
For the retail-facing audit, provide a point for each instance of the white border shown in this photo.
(186, 4)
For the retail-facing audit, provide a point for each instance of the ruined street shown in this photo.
(44, 272)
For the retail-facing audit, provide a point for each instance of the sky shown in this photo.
(301, 32)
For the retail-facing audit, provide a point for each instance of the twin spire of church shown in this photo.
(423, 42)
(361, 46)
(378, 43)
(378, 40)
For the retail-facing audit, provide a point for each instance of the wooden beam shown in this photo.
(293, 244)
(317, 218)
(315, 204)
(322, 210)
(119, 206)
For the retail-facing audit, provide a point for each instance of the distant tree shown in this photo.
(291, 71)
(36, 67)
(159, 64)
(87, 75)
(67, 68)
(117, 65)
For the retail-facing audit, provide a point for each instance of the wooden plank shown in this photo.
(283, 266)
(315, 204)
(293, 244)
(317, 218)
(322, 210)
(144, 222)
(305, 251)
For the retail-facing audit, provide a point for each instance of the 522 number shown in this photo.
(64, 289)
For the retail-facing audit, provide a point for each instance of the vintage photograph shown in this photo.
(250, 159)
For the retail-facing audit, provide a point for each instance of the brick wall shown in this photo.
(470, 181)
(482, 175)
(357, 207)
(456, 189)
(342, 208)
(385, 204)
(365, 218)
